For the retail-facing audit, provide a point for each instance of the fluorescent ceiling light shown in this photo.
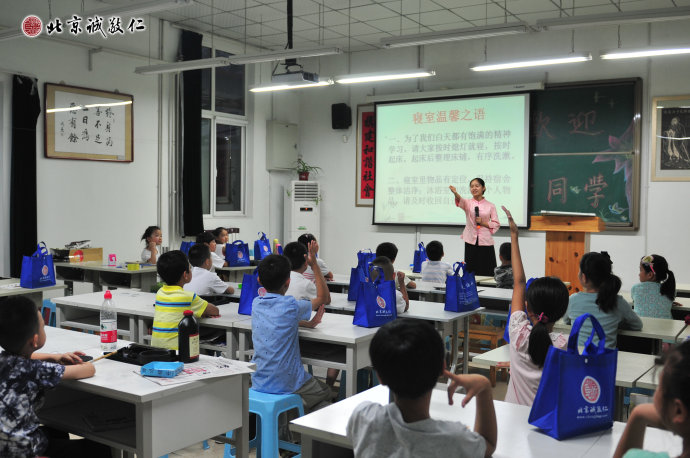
(645, 52)
(484, 67)
(86, 107)
(624, 17)
(136, 8)
(130, 9)
(455, 35)
(183, 65)
(384, 76)
(287, 54)
(285, 86)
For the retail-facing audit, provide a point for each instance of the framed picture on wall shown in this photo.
(88, 124)
(671, 145)
(366, 155)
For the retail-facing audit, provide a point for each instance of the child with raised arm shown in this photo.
(306, 239)
(670, 410)
(532, 316)
(408, 357)
(275, 321)
(24, 377)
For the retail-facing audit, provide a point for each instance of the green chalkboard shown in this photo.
(590, 183)
(585, 150)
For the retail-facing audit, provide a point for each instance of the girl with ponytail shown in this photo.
(600, 298)
(655, 293)
(534, 311)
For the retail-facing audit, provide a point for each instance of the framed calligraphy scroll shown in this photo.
(366, 155)
(88, 124)
(671, 146)
(586, 144)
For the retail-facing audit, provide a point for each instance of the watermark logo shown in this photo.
(44, 270)
(32, 26)
(261, 291)
(381, 302)
(590, 389)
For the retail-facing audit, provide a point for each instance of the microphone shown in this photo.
(476, 215)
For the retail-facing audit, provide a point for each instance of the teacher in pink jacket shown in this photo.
(482, 223)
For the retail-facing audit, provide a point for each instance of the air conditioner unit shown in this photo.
(302, 210)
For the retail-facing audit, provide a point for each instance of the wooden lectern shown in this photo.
(567, 239)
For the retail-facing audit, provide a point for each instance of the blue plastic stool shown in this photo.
(267, 408)
(48, 312)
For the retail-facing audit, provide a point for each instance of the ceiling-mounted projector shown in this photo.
(295, 77)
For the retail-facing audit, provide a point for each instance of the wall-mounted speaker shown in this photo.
(341, 116)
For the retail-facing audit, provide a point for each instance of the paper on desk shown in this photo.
(205, 368)
(10, 286)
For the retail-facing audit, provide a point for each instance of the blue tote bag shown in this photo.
(262, 247)
(37, 269)
(419, 258)
(185, 246)
(250, 290)
(237, 254)
(375, 302)
(359, 273)
(576, 392)
(461, 292)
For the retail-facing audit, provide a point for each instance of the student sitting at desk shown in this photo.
(207, 238)
(408, 356)
(153, 238)
(435, 270)
(390, 251)
(503, 274)
(534, 312)
(275, 321)
(655, 293)
(402, 301)
(204, 282)
(24, 376)
(670, 410)
(172, 300)
(306, 239)
(600, 298)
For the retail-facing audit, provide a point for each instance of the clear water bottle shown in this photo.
(108, 324)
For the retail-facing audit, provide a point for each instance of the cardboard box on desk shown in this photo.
(77, 255)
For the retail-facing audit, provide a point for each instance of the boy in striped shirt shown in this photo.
(171, 300)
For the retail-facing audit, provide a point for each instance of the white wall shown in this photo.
(664, 215)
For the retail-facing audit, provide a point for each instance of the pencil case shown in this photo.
(162, 369)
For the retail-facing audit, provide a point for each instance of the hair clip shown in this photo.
(543, 318)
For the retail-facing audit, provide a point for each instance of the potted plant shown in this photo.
(303, 169)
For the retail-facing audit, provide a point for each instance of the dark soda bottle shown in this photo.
(188, 338)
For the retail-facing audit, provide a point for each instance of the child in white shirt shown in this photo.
(153, 238)
(531, 327)
(305, 239)
(209, 240)
(435, 270)
(204, 282)
(402, 302)
(222, 238)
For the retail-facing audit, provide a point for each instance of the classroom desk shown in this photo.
(135, 311)
(237, 273)
(515, 436)
(652, 328)
(163, 422)
(10, 287)
(650, 379)
(98, 274)
(447, 323)
(348, 347)
(492, 282)
(683, 289)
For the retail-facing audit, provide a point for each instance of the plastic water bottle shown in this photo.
(108, 324)
(188, 338)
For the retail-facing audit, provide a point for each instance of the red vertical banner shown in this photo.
(366, 155)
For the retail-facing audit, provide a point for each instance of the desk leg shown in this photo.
(58, 316)
(620, 400)
(351, 379)
(465, 344)
(242, 344)
(97, 286)
(307, 444)
(147, 281)
(242, 434)
(70, 287)
(231, 344)
(454, 346)
(141, 326)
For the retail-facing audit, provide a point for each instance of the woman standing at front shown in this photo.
(480, 256)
